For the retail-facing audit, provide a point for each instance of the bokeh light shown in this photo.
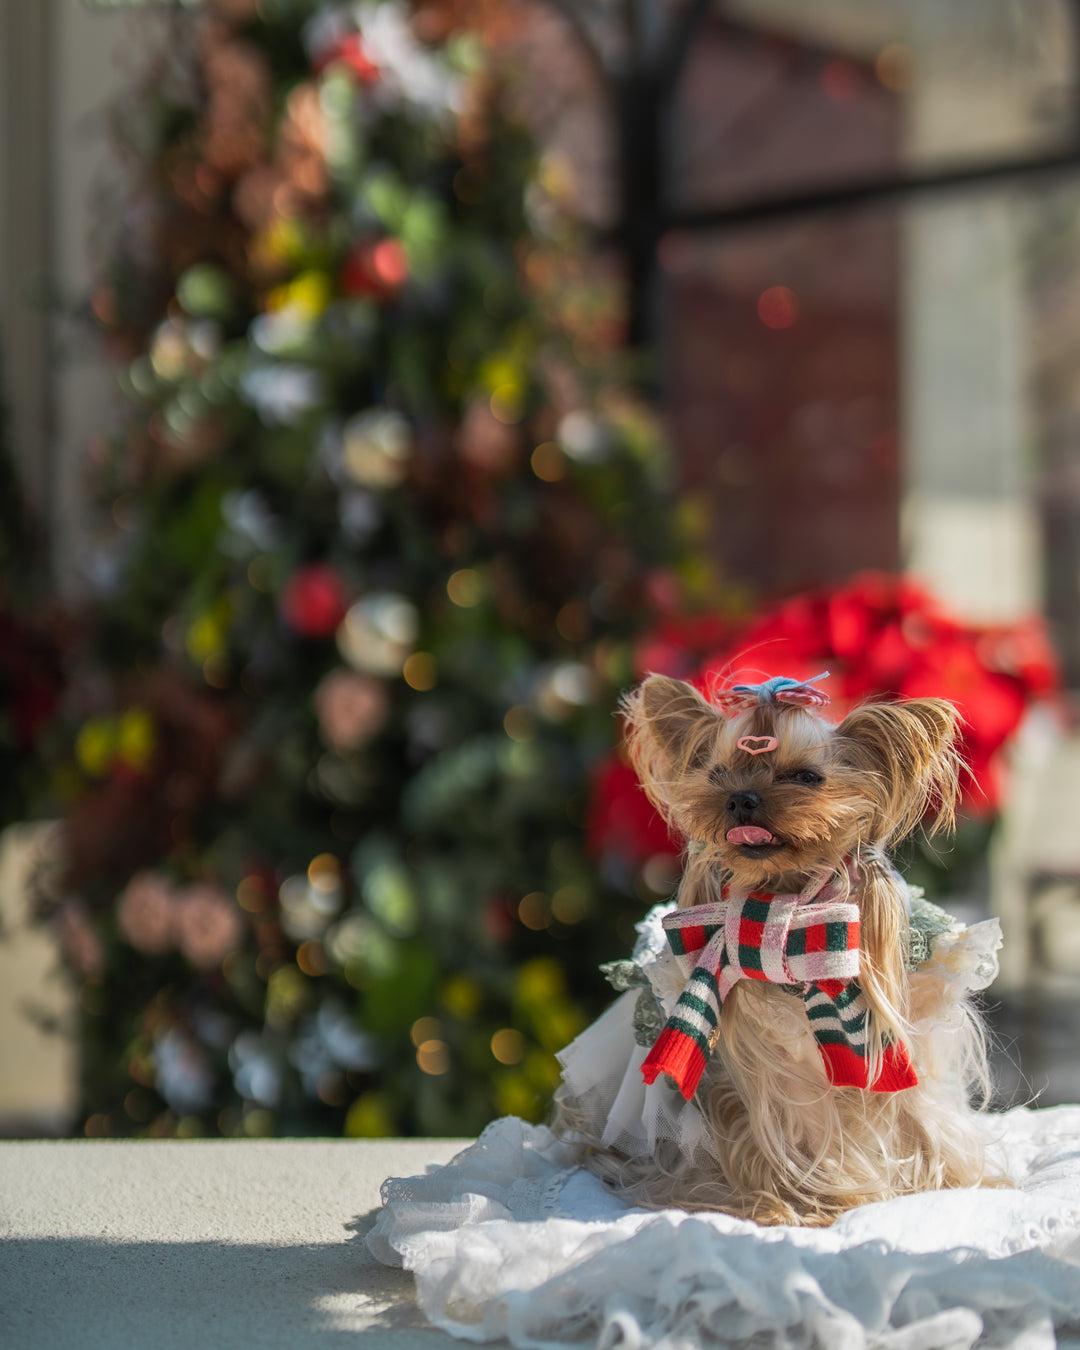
(778, 307)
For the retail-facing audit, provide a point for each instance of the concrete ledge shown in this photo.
(189, 1244)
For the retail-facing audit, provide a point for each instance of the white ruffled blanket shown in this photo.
(510, 1239)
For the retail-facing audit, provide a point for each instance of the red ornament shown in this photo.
(390, 263)
(314, 600)
(778, 307)
(356, 276)
(374, 270)
(349, 52)
(498, 921)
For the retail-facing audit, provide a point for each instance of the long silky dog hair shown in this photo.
(791, 1147)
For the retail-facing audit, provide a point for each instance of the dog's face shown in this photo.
(778, 790)
(776, 795)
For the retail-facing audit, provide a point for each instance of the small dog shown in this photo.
(828, 1070)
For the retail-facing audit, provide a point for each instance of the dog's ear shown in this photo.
(909, 753)
(675, 713)
(670, 731)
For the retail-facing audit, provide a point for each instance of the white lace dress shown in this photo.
(512, 1239)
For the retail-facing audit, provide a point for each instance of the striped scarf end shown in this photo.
(845, 1068)
(896, 1073)
(680, 1057)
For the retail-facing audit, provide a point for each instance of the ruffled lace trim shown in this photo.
(511, 1240)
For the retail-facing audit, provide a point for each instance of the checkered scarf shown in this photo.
(785, 940)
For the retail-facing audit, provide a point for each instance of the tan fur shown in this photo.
(792, 1148)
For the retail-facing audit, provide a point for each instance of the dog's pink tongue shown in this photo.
(749, 834)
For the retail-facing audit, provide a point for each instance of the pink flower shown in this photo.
(208, 924)
(147, 913)
(351, 708)
(81, 944)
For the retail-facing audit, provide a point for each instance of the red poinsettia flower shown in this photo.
(675, 645)
(888, 637)
(621, 819)
(880, 637)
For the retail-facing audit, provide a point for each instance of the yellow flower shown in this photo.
(461, 996)
(558, 1024)
(136, 740)
(206, 635)
(283, 240)
(258, 1124)
(501, 372)
(514, 1096)
(370, 1117)
(287, 993)
(692, 517)
(95, 746)
(557, 176)
(307, 295)
(542, 1070)
(540, 980)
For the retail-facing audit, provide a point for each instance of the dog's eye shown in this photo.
(807, 776)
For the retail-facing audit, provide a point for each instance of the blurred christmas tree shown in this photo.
(384, 528)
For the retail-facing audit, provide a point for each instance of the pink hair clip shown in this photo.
(757, 745)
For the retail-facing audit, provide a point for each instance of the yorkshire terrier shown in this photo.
(816, 1027)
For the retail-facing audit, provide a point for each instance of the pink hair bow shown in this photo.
(778, 689)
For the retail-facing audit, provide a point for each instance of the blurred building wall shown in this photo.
(781, 341)
(59, 69)
(972, 520)
(25, 125)
(913, 326)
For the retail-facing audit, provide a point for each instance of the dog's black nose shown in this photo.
(742, 805)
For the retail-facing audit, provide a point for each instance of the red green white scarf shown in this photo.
(784, 939)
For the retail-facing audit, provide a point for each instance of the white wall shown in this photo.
(37, 1010)
(88, 44)
(970, 523)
